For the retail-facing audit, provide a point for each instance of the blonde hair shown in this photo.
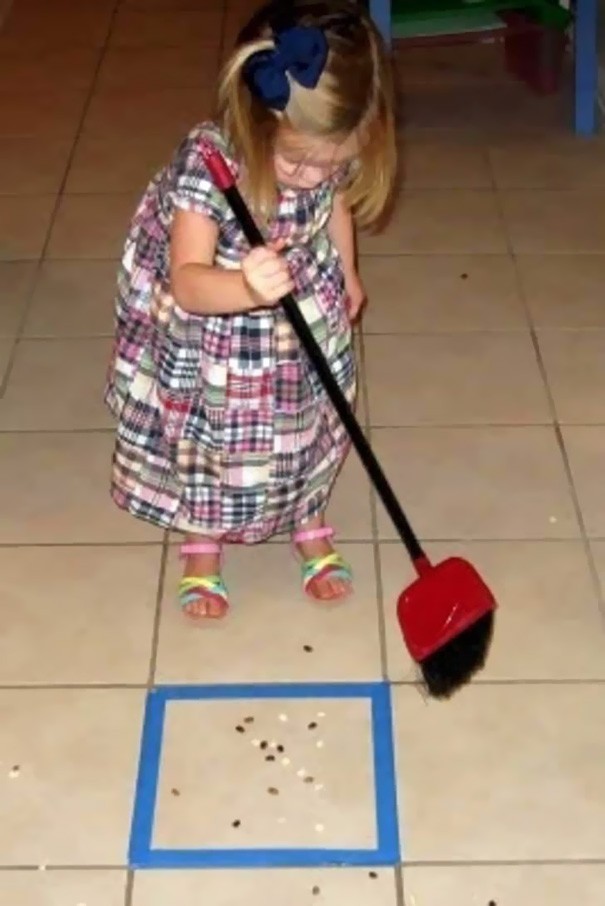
(354, 95)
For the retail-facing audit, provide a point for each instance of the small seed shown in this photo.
(312, 725)
(264, 745)
(309, 779)
(240, 729)
(14, 771)
(236, 823)
(316, 891)
(283, 718)
(175, 792)
(464, 276)
(280, 749)
(248, 720)
(270, 758)
(373, 875)
(273, 791)
(307, 648)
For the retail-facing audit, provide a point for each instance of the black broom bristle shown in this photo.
(455, 663)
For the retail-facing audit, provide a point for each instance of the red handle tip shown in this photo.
(220, 172)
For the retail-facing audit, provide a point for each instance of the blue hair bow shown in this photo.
(300, 51)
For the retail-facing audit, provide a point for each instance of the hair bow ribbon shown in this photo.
(300, 52)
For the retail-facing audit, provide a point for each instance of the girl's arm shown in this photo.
(341, 229)
(342, 233)
(197, 285)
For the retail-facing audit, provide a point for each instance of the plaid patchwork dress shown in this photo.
(223, 427)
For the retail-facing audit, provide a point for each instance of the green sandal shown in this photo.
(209, 588)
(329, 566)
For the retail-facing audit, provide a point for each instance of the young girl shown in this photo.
(224, 431)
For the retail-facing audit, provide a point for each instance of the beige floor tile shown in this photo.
(490, 110)
(585, 446)
(598, 554)
(72, 68)
(562, 164)
(24, 223)
(6, 347)
(158, 67)
(77, 755)
(16, 278)
(164, 112)
(444, 165)
(91, 226)
(45, 115)
(67, 501)
(548, 625)
(455, 221)
(576, 373)
(454, 379)
(265, 589)
(169, 5)
(564, 290)
(96, 590)
(341, 814)
(523, 885)
(349, 511)
(503, 773)
(441, 293)
(167, 28)
(29, 167)
(57, 385)
(555, 222)
(104, 163)
(73, 298)
(461, 64)
(43, 888)
(477, 483)
(232, 888)
(42, 27)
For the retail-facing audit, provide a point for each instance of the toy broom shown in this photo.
(447, 614)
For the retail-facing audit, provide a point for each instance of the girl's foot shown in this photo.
(202, 592)
(326, 576)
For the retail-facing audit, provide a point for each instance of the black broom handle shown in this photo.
(224, 181)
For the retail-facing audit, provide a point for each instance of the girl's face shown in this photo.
(305, 163)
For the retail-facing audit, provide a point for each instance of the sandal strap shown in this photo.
(332, 564)
(192, 587)
(201, 547)
(313, 534)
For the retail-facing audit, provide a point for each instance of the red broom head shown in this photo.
(447, 617)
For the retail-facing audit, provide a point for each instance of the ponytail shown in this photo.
(251, 129)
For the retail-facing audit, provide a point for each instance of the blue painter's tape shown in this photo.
(147, 781)
(387, 852)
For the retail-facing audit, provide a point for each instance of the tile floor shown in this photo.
(484, 389)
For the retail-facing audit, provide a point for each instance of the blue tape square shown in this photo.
(387, 852)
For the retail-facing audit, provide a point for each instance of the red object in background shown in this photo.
(534, 52)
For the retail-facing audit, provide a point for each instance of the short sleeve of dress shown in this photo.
(194, 189)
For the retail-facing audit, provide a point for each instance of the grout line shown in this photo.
(399, 886)
(381, 541)
(102, 50)
(129, 889)
(364, 394)
(158, 614)
(504, 863)
(557, 425)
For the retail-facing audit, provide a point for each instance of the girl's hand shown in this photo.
(356, 295)
(266, 276)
